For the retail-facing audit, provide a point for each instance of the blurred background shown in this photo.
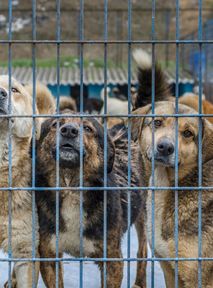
(117, 54)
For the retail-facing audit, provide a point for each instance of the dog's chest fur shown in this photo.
(3, 148)
(69, 239)
(161, 180)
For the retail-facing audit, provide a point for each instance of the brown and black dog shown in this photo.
(163, 152)
(93, 200)
(20, 129)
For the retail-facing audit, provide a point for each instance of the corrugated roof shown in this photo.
(91, 75)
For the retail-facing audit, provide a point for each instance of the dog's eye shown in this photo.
(14, 90)
(157, 123)
(87, 128)
(54, 124)
(187, 134)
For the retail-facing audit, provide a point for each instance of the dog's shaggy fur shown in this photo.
(67, 103)
(114, 105)
(21, 210)
(192, 101)
(93, 201)
(161, 90)
(44, 98)
(164, 176)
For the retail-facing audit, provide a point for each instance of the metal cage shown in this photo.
(105, 42)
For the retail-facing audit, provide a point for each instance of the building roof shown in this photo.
(91, 75)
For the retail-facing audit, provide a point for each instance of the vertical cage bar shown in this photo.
(10, 254)
(33, 140)
(153, 141)
(58, 37)
(81, 36)
(176, 138)
(105, 142)
(129, 141)
(200, 178)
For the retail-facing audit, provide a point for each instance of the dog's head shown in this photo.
(21, 104)
(69, 138)
(163, 148)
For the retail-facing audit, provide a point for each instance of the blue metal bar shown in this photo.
(58, 37)
(88, 259)
(105, 143)
(176, 140)
(153, 146)
(81, 38)
(129, 142)
(107, 188)
(151, 115)
(33, 141)
(181, 41)
(10, 252)
(200, 171)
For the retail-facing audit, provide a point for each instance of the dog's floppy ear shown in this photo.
(207, 142)
(137, 122)
(45, 128)
(110, 154)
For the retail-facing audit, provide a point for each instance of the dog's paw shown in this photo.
(137, 286)
(13, 284)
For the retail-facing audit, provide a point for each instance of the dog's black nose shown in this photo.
(3, 93)
(165, 147)
(69, 131)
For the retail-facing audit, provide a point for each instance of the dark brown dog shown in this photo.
(163, 153)
(93, 201)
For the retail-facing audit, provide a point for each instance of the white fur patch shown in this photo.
(161, 180)
(142, 58)
(108, 90)
(69, 241)
(4, 149)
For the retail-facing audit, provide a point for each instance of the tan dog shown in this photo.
(163, 152)
(67, 103)
(192, 101)
(44, 99)
(21, 134)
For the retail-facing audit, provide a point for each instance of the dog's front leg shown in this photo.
(24, 275)
(13, 281)
(114, 270)
(140, 281)
(48, 269)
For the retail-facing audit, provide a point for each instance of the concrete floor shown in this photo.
(91, 273)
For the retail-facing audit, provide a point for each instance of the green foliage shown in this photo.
(65, 61)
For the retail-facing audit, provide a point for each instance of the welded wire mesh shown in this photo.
(105, 42)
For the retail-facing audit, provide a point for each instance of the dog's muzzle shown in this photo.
(164, 152)
(69, 146)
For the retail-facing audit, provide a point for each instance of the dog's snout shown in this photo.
(165, 147)
(3, 93)
(69, 131)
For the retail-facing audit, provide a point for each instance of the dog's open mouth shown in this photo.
(67, 147)
(69, 155)
(165, 162)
